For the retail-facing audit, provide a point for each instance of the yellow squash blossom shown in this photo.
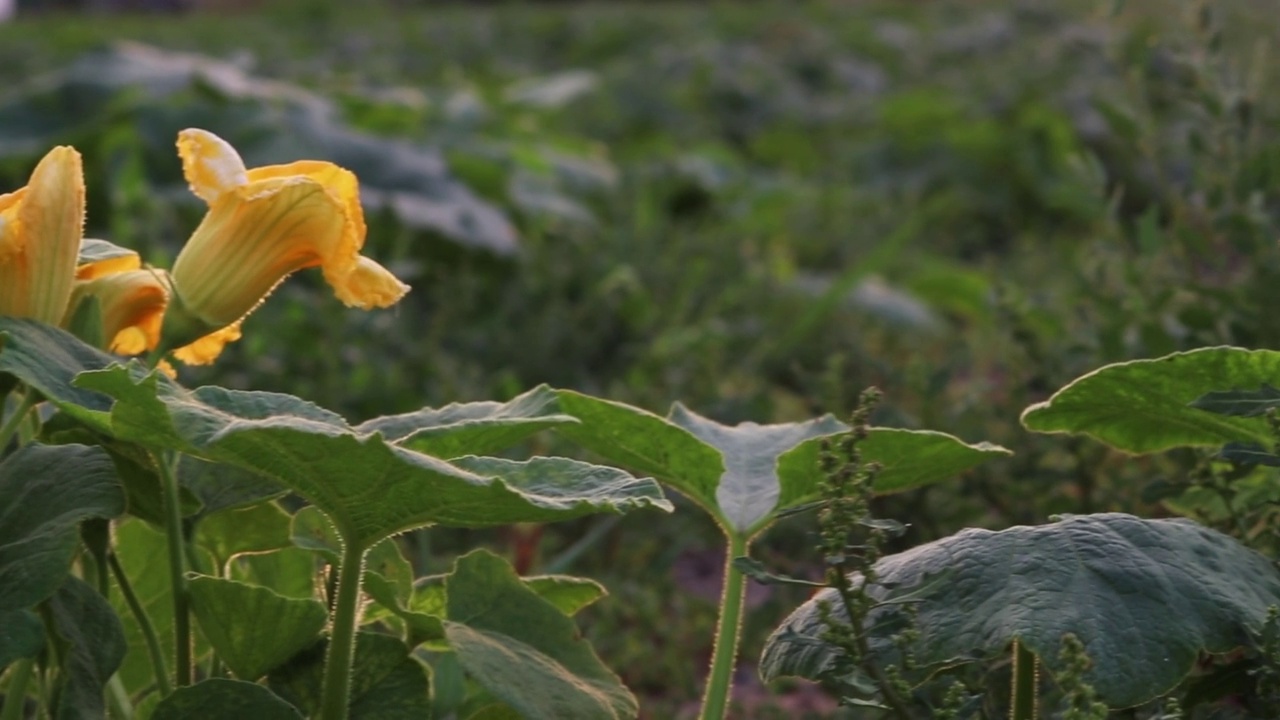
(264, 224)
(40, 231)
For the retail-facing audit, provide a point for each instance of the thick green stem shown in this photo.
(715, 702)
(144, 624)
(15, 697)
(14, 421)
(1025, 702)
(342, 635)
(177, 569)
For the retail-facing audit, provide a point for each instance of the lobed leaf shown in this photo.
(252, 628)
(223, 699)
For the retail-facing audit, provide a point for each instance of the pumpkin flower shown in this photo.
(262, 225)
(40, 231)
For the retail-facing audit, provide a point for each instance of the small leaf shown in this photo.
(1239, 403)
(253, 629)
(568, 594)
(93, 648)
(755, 570)
(223, 699)
(475, 428)
(1144, 406)
(387, 683)
(1146, 597)
(1249, 454)
(523, 650)
(46, 491)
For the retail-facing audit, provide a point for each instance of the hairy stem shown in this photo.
(342, 635)
(144, 623)
(715, 701)
(1024, 704)
(177, 569)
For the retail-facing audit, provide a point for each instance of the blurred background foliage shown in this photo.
(757, 209)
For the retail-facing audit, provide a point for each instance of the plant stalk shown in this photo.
(144, 624)
(342, 635)
(715, 701)
(177, 569)
(14, 421)
(1025, 702)
(15, 698)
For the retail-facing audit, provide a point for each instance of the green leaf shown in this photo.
(523, 650)
(1146, 597)
(222, 699)
(745, 475)
(290, 572)
(46, 491)
(1143, 406)
(21, 636)
(908, 459)
(219, 486)
(92, 648)
(475, 428)
(369, 488)
(644, 442)
(566, 593)
(48, 359)
(256, 529)
(387, 683)
(252, 628)
(1239, 403)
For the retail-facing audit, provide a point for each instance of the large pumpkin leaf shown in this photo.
(474, 428)
(46, 491)
(745, 474)
(524, 650)
(369, 488)
(1146, 597)
(1145, 405)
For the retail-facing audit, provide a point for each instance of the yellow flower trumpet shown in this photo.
(262, 225)
(40, 231)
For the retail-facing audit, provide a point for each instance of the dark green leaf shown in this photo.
(46, 491)
(222, 699)
(1239, 403)
(1249, 454)
(93, 647)
(48, 359)
(525, 651)
(475, 428)
(387, 683)
(1145, 405)
(253, 629)
(1146, 597)
(21, 636)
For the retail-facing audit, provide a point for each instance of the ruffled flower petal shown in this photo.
(212, 167)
